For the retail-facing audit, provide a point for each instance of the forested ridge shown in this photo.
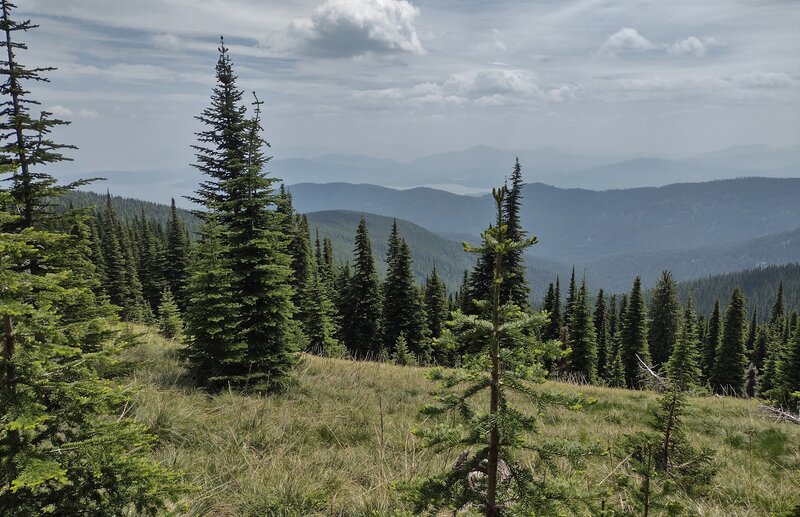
(248, 298)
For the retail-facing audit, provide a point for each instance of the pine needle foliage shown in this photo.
(240, 194)
(170, 324)
(65, 448)
(660, 462)
(683, 371)
(489, 475)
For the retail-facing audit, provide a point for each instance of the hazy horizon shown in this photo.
(406, 79)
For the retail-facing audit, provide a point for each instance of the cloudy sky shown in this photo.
(401, 79)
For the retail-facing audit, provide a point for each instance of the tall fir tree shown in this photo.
(752, 334)
(361, 320)
(760, 347)
(177, 256)
(613, 320)
(64, 447)
(515, 288)
(435, 303)
(711, 343)
(241, 194)
(402, 311)
(570, 301)
(319, 323)
(553, 330)
(778, 308)
(786, 390)
(727, 375)
(682, 368)
(603, 332)
(582, 337)
(664, 319)
(634, 336)
(152, 263)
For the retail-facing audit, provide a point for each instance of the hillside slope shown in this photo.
(760, 286)
(574, 224)
(339, 441)
(427, 247)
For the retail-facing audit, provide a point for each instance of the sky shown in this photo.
(401, 79)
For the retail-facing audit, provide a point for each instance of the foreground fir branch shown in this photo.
(491, 474)
(66, 445)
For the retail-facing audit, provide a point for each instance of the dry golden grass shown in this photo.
(336, 443)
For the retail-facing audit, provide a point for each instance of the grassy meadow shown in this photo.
(339, 442)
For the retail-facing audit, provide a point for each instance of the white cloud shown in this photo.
(60, 111)
(349, 28)
(479, 88)
(692, 46)
(626, 39)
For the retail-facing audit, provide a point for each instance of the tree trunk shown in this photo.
(8, 353)
(494, 434)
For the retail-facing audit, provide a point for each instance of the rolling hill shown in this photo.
(760, 286)
(576, 225)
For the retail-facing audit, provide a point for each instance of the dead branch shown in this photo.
(779, 414)
(646, 368)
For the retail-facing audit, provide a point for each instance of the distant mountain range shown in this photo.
(477, 169)
(694, 229)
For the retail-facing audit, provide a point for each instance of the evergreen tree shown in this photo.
(664, 318)
(239, 192)
(213, 346)
(760, 348)
(62, 441)
(515, 288)
(778, 308)
(328, 268)
(177, 256)
(319, 324)
(122, 281)
(682, 368)
(553, 330)
(152, 263)
(634, 336)
(547, 302)
(730, 365)
(169, 317)
(435, 303)
(488, 477)
(769, 374)
(601, 327)
(135, 307)
(752, 334)
(361, 330)
(616, 370)
(304, 270)
(786, 390)
(570, 298)
(582, 337)
(402, 311)
(463, 301)
(713, 338)
(613, 320)
(401, 354)
(661, 462)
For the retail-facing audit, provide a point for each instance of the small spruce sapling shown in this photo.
(491, 475)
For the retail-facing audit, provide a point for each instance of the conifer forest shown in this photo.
(287, 333)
